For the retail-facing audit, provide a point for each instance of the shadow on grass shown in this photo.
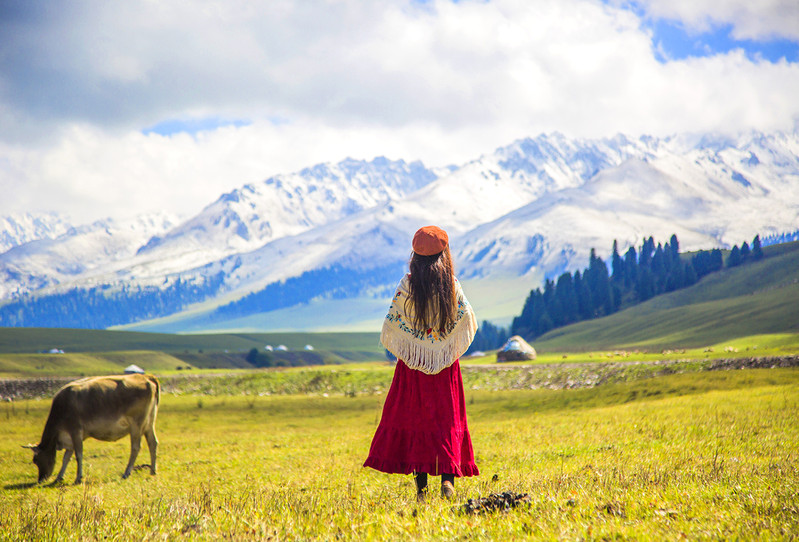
(28, 485)
(25, 485)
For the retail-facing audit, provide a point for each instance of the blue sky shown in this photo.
(192, 125)
(104, 104)
(673, 42)
(683, 30)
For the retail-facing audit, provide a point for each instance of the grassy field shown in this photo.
(650, 444)
(711, 455)
(766, 345)
(32, 340)
(756, 298)
(96, 363)
(23, 351)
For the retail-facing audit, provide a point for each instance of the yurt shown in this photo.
(516, 349)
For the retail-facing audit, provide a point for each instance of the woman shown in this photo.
(429, 325)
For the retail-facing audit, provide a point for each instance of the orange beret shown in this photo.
(429, 240)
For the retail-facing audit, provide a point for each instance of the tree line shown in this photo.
(333, 282)
(638, 275)
(101, 307)
(488, 337)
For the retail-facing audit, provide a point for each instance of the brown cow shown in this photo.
(105, 408)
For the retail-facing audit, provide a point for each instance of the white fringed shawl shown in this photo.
(426, 350)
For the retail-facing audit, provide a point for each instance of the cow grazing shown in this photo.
(105, 408)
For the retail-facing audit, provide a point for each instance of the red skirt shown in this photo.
(423, 427)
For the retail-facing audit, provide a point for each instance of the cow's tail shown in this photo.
(155, 381)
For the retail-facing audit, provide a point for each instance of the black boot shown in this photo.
(421, 485)
(447, 486)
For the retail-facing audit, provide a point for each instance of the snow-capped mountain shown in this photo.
(19, 229)
(79, 252)
(714, 192)
(284, 205)
(528, 210)
(478, 192)
(237, 222)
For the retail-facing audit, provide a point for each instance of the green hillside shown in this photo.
(752, 299)
(26, 351)
(31, 340)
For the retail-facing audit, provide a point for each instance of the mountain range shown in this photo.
(322, 248)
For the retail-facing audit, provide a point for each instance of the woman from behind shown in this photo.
(430, 324)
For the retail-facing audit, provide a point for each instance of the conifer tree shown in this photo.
(599, 285)
(647, 249)
(595, 292)
(757, 251)
(734, 258)
(630, 267)
(659, 269)
(584, 303)
(567, 299)
(617, 264)
(745, 252)
(674, 244)
(488, 337)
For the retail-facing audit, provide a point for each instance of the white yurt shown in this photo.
(516, 349)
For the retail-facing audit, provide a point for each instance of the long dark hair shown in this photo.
(433, 295)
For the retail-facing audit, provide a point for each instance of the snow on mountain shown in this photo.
(76, 254)
(716, 192)
(280, 206)
(557, 231)
(237, 222)
(752, 183)
(644, 187)
(387, 200)
(531, 209)
(18, 229)
(512, 176)
(478, 192)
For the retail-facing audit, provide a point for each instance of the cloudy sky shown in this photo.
(111, 108)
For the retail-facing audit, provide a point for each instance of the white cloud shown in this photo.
(758, 20)
(442, 82)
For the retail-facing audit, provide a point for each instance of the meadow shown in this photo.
(698, 455)
(623, 428)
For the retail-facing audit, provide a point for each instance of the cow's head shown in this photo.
(43, 460)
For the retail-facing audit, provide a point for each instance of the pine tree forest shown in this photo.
(632, 278)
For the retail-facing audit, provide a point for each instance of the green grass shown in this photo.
(753, 299)
(91, 352)
(83, 364)
(31, 340)
(703, 456)
(340, 375)
(754, 346)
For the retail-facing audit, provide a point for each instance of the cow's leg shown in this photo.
(77, 444)
(67, 457)
(152, 444)
(135, 445)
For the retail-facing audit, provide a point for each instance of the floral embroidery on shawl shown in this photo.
(427, 350)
